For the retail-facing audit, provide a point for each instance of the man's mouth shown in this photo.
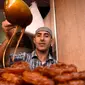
(41, 44)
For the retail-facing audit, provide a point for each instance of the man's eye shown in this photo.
(46, 35)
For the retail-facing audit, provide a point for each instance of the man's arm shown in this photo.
(2, 47)
(8, 29)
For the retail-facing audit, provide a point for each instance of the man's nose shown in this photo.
(42, 37)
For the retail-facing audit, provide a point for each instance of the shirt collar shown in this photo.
(34, 55)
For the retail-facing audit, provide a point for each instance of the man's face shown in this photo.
(42, 40)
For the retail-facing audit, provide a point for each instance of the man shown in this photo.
(40, 56)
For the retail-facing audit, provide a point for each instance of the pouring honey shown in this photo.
(17, 12)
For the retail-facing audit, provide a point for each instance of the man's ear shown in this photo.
(52, 42)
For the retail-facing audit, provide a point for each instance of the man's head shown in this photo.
(43, 38)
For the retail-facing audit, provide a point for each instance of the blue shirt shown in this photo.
(32, 59)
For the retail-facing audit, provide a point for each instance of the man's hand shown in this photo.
(7, 26)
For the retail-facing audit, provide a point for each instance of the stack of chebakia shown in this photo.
(57, 74)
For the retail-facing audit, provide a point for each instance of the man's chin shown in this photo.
(42, 49)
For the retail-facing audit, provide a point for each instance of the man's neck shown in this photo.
(42, 55)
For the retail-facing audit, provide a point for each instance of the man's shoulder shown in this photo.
(20, 55)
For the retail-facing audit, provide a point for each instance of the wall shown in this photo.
(2, 34)
(70, 16)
